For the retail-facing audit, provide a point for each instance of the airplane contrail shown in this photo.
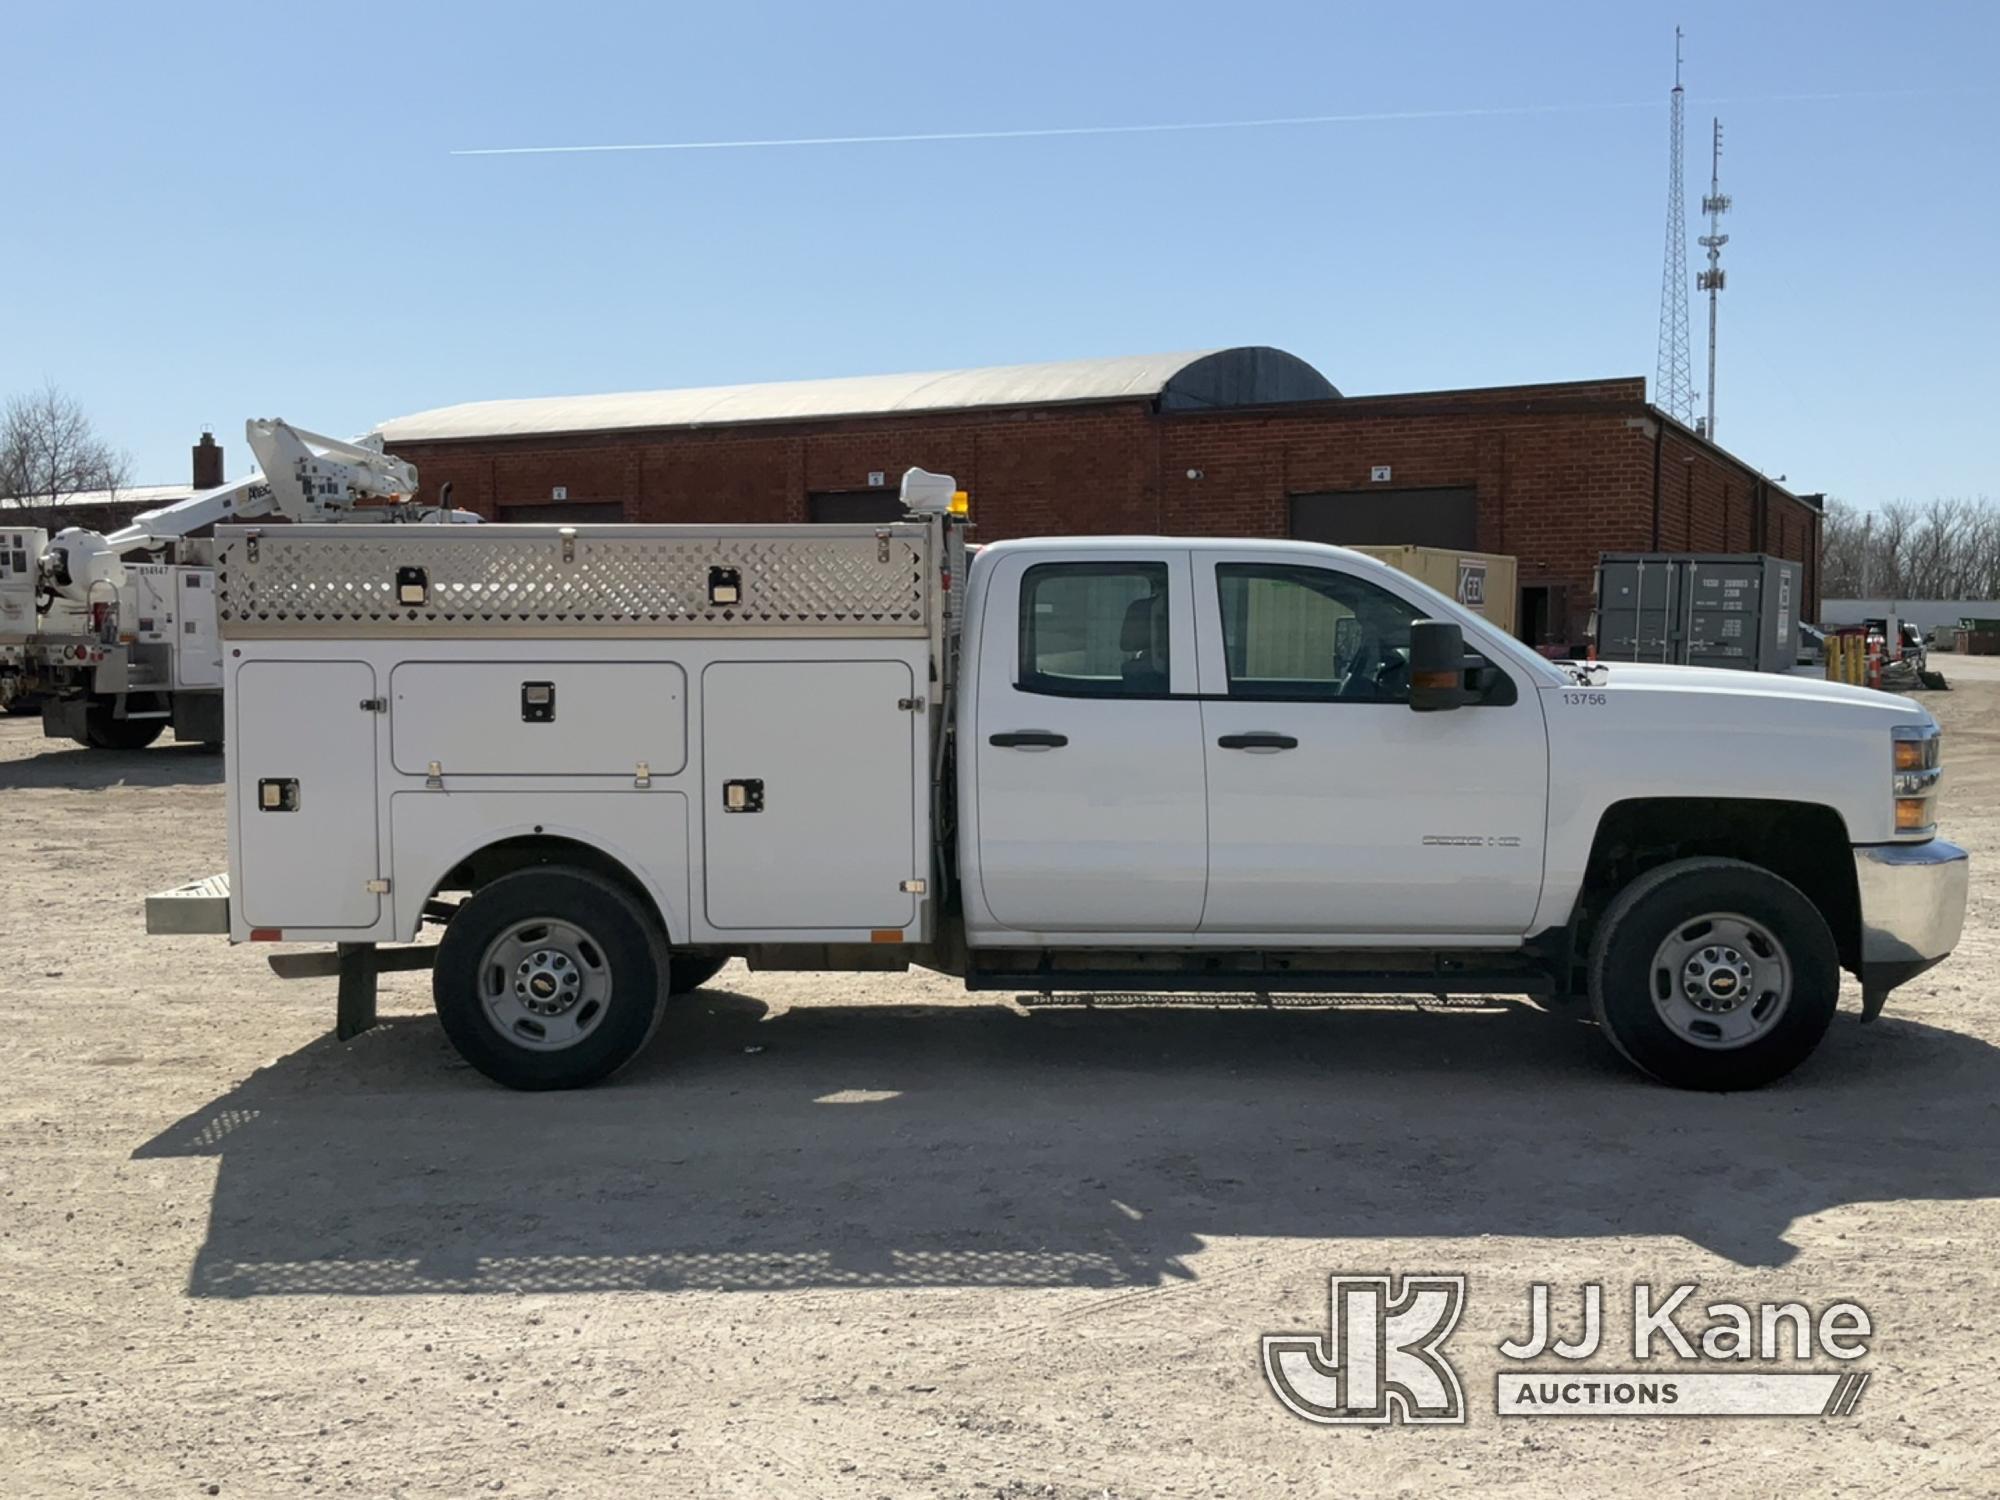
(1479, 112)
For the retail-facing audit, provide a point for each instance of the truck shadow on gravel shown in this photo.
(969, 1145)
(76, 768)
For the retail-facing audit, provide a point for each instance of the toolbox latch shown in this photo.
(278, 794)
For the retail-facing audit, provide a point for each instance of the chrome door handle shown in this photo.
(1029, 739)
(1260, 740)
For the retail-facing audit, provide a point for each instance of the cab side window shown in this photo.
(1303, 632)
(1096, 630)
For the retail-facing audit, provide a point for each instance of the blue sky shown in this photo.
(228, 211)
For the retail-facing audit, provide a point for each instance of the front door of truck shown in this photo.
(1087, 745)
(1332, 807)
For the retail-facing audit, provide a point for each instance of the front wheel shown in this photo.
(1714, 974)
(550, 978)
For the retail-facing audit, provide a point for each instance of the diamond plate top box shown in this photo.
(610, 580)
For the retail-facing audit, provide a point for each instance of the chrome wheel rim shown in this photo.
(545, 984)
(1721, 981)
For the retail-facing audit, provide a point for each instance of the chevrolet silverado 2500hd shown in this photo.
(609, 758)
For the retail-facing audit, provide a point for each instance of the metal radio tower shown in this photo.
(1714, 279)
(1673, 384)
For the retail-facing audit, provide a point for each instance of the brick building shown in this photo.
(1247, 441)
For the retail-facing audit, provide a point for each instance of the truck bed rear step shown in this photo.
(201, 906)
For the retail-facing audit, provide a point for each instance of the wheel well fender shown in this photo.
(1805, 843)
(490, 861)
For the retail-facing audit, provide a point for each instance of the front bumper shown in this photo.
(1912, 911)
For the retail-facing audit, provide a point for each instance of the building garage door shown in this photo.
(1388, 518)
(870, 507)
(564, 513)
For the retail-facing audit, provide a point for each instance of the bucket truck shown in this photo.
(115, 634)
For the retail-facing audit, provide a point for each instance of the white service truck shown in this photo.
(114, 636)
(609, 758)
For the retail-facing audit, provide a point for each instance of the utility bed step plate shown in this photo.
(197, 907)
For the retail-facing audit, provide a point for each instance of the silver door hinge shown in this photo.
(434, 776)
(642, 775)
(378, 887)
(910, 705)
(374, 705)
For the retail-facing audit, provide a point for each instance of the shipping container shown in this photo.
(1738, 610)
(1482, 581)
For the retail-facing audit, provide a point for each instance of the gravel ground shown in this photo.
(868, 1236)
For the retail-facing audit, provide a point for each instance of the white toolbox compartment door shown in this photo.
(834, 762)
(302, 723)
(198, 649)
(601, 718)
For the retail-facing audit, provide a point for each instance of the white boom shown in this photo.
(304, 476)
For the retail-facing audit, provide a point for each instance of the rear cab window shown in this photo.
(1095, 629)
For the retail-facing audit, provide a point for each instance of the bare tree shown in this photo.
(1947, 549)
(1842, 543)
(48, 451)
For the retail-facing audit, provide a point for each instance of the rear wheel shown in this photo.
(1714, 974)
(550, 978)
(104, 731)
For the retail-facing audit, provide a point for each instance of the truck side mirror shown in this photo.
(1437, 665)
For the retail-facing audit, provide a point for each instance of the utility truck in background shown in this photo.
(607, 759)
(114, 636)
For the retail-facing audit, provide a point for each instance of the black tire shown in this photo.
(102, 731)
(1631, 999)
(690, 971)
(627, 941)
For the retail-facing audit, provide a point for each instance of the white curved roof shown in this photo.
(145, 496)
(1130, 376)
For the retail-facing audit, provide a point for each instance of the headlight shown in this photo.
(1915, 773)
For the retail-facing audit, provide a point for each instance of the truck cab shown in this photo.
(608, 759)
(1215, 740)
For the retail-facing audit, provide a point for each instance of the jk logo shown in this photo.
(1379, 1360)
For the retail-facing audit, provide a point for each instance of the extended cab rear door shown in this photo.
(1333, 808)
(1087, 743)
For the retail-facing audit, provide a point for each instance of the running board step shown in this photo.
(1496, 999)
(1337, 982)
